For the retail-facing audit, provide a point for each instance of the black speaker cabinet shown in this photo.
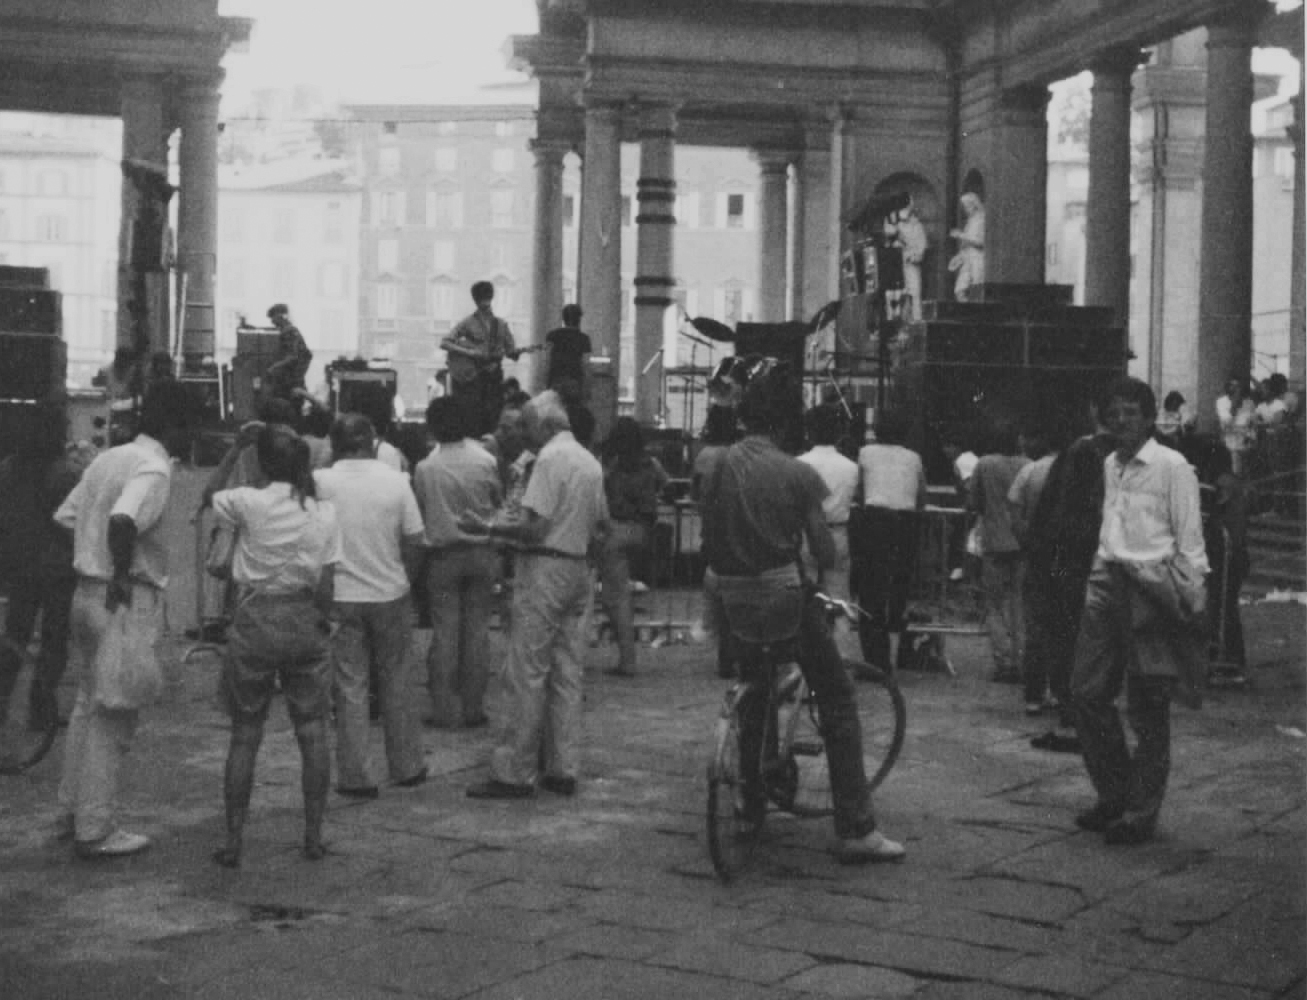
(12, 276)
(785, 342)
(30, 310)
(33, 366)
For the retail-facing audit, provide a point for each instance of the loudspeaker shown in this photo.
(370, 392)
(30, 310)
(12, 276)
(785, 342)
(23, 423)
(33, 366)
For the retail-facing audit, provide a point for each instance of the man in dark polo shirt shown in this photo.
(568, 349)
(758, 507)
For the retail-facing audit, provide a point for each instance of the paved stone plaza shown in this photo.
(610, 895)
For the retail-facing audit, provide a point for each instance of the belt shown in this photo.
(550, 553)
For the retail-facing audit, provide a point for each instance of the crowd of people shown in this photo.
(1094, 561)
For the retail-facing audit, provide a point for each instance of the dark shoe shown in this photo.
(1056, 743)
(414, 781)
(1099, 818)
(493, 789)
(366, 792)
(558, 785)
(1129, 831)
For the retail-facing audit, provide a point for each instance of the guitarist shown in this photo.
(476, 349)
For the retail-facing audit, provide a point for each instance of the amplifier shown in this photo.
(30, 310)
(256, 341)
(33, 366)
(12, 276)
(956, 343)
(1075, 346)
(22, 423)
(370, 392)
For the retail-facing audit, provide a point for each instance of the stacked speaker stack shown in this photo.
(1022, 356)
(33, 355)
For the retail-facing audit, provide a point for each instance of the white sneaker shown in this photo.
(957, 574)
(118, 844)
(875, 847)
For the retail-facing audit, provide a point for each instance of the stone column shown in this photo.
(814, 236)
(1225, 273)
(547, 259)
(1298, 273)
(1016, 199)
(654, 274)
(796, 243)
(197, 216)
(599, 284)
(1107, 208)
(145, 140)
(773, 235)
(839, 122)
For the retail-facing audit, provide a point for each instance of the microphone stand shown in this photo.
(662, 386)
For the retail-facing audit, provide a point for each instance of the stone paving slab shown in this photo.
(610, 895)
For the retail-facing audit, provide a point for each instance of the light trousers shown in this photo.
(460, 594)
(542, 674)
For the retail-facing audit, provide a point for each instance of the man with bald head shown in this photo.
(563, 514)
(381, 537)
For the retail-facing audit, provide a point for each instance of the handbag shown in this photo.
(222, 551)
(127, 671)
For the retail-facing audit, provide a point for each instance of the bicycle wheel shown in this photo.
(27, 727)
(800, 781)
(733, 828)
(884, 719)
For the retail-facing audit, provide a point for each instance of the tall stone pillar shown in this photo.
(197, 216)
(600, 279)
(773, 236)
(1016, 201)
(839, 125)
(1298, 273)
(1107, 209)
(813, 233)
(1225, 273)
(547, 258)
(654, 274)
(798, 226)
(145, 140)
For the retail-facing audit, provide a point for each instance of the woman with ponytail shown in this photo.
(287, 544)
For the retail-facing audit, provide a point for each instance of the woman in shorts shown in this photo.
(287, 545)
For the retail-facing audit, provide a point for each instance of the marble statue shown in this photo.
(969, 261)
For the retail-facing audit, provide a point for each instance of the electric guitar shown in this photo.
(465, 363)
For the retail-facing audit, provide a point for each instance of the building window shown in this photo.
(388, 207)
(388, 256)
(626, 211)
(283, 226)
(1052, 255)
(442, 301)
(447, 159)
(445, 209)
(733, 305)
(1283, 162)
(687, 210)
(627, 303)
(501, 161)
(569, 211)
(232, 274)
(387, 300)
(333, 230)
(390, 128)
(447, 128)
(332, 279)
(52, 183)
(503, 129)
(503, 298)
(442, 256)
(51, 228)
(735, 211)
(388, 161)
(282, 278)
(501, 209)
(417, 300)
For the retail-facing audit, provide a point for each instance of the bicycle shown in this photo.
(28, 728)
(792, 765)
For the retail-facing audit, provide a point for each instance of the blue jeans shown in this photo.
(837, 704)
(460, 596)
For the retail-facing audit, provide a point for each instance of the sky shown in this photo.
(435, 51)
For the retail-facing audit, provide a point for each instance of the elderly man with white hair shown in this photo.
(564, 513)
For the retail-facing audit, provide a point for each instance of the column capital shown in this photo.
(774, 161)
(550, 152)
(1116, 65)
(1235, 28)
(206, 87)
(657, 119)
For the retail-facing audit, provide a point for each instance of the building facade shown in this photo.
(288, 232)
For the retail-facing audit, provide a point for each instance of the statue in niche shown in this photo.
(969, 261)
(904, 230)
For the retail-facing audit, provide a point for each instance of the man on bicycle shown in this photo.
(758, 507)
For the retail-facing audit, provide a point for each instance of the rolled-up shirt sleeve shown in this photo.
(1186, 517)
(144, 497)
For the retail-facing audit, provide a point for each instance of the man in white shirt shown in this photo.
(115, 514)
(381, 535)
(564, 513)
(1151, 522)
(840, 475)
